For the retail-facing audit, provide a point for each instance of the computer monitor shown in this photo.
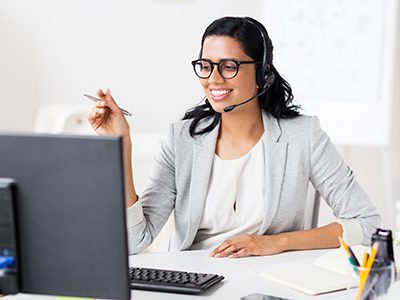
(70, 213)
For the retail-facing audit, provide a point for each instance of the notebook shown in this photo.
(330, 272)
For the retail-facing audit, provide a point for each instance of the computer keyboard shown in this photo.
(172, 281)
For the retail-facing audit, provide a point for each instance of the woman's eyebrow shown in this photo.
(233, 58)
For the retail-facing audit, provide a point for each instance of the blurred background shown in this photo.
(342, 58)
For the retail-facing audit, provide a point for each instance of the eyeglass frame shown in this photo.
(236, 61)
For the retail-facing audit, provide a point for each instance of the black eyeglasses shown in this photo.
(228, 67)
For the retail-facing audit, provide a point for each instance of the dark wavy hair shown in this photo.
(278, 100)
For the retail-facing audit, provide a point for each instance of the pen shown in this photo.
(352, 258)
(125, 112)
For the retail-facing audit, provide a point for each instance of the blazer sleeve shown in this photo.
(335, 181)
(157, 200)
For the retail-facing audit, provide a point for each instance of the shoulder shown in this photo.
(181, 126)
(302, 121)
(181, 129)
(303, 127)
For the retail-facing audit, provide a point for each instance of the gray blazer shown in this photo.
(297, 152)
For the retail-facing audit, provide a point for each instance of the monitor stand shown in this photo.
(9, 264)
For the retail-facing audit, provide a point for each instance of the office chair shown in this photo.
(63, 118)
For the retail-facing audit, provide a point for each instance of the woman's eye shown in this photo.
(229, 67)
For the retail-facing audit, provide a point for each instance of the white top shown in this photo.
(234, 203)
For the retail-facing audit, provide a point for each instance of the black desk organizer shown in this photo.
(9, 263)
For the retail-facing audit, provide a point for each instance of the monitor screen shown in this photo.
(70, 213)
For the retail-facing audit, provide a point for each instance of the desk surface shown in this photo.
(241, 275)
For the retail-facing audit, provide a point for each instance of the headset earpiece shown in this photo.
(269, 79)
(264, 77)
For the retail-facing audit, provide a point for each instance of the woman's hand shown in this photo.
(249, 244)
(107, 118)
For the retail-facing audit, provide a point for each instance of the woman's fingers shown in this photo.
(92, 120)
(98, 111)
(230, 250)
(234, 251)
(101, 104)
(241, 253)
(98, 115)
(100, 93)
(108, 100)
(111, 102)
(220, 248)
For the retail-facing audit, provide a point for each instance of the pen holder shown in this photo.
(376, 282)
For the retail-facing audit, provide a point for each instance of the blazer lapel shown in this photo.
(203, 156)
(275, 166)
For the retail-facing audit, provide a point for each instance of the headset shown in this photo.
(264, 77)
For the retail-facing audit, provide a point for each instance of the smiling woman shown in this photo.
(236, 170)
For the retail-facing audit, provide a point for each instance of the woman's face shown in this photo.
(222, 92)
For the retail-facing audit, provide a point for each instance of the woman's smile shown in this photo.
(220, 94)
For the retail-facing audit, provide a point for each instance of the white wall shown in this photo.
(369, 162)
(56, 50)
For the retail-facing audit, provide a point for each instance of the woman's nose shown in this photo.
(215, 76)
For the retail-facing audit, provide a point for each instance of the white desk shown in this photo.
(241, 275)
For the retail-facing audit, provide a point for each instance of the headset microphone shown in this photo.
(268, 83)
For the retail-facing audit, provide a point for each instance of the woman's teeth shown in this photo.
(220, 92)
